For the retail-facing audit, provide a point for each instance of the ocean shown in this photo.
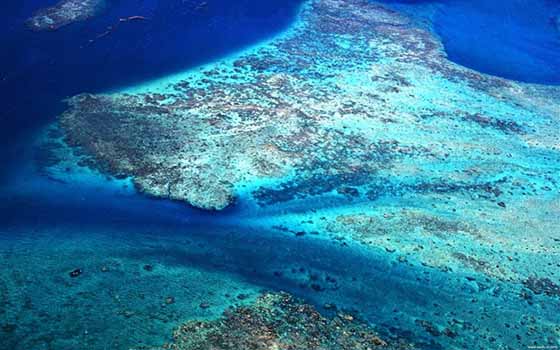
(319, 174)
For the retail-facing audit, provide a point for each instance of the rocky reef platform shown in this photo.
(63, 13)
(351, 161)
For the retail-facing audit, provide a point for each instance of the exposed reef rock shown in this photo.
(278, 321)
(63, 13)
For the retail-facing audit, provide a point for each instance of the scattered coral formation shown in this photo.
(63, 13)
(278, 321)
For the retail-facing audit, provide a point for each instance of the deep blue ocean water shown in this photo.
(517, 39)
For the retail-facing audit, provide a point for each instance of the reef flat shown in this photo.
(63, 13)
(348, 96)
(354, 127)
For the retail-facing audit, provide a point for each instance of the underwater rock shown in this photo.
(556, 23)
(75, 273)
(8, 328)
(242, 296)
(429, 327)
(542, 286)
(279, 321)
(348, 191)
(63, 13)
(505, 126)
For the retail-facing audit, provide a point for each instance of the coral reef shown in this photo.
(354, 127)
(352, 96)
(63, 13)
(278, 321)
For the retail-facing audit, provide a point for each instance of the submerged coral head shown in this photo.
(63, 13)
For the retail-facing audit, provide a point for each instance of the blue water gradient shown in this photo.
(42, 69)
(513, 39)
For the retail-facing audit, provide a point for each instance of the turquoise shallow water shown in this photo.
(197, 258)
(442, 233)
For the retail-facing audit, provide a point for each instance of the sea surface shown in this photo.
(135, 252)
